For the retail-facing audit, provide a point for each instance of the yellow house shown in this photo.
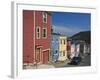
(62, 48)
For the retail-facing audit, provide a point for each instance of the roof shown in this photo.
(58, 34)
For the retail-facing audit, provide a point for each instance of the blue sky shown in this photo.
(70, 23)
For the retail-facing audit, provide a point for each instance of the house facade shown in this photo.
(84, 48)
(59, 47)
(79, 48)
(75, 49)
(87, 49)
(72, 53)
(55, 47)
(62, 48)
(68, 48)
(36, 37)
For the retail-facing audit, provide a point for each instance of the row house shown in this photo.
(79, 48)
(59, 52)
(36, 37)
(62, 48)
(87, 48)
(68, 48)
(55, 47)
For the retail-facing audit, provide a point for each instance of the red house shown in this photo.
(36, 37)
(68, 48)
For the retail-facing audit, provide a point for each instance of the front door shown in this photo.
(38, 54)
(45, 57)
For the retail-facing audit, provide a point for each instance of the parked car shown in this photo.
(75, 60)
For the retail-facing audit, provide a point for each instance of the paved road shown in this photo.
(86, 61)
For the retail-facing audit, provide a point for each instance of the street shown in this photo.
(86, 61)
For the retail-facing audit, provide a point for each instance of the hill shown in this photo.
(85, 36)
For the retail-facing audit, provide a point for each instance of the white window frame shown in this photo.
(44, 15)
(38, 37)
(61, 41)
(64, 53)
(43, 33)
(64, 41)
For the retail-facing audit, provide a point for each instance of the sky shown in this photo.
(68, 23)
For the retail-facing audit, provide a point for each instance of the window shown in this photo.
(56, 39)
(61, 41)
(60, 53)
(63, 53)
(44, 32)
(64, 41)
(44, 17)
(56, 51)
(51, 30)
(38, 32)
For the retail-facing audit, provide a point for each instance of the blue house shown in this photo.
(55, 46)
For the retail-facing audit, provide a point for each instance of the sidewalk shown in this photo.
(60, 64)
(45, 66)
(40, 66)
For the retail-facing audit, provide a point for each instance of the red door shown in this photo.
(45, 57)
